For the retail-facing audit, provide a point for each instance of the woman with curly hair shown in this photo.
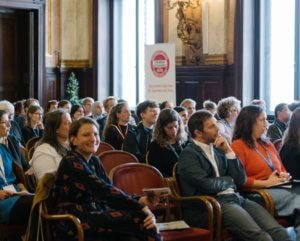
(117, 125)
(168, 140)
(228, 110)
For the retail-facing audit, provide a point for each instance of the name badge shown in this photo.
(10, 188)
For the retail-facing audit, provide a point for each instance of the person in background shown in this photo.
(208, 166)
(290, 150)
(77, 112)
(97, 110)
(29, 102)
(228, 110)
(190, 106)
(108, 103)
(83, 189)
(10, 142)
(15, 201)
(53, 145)
(138, 139)
(87, 103)
(259, 102)
(168, 141)
(262, 163)
(183, 114)
(20, 115)
(282, 117)
(166, 105)
(294, 105)
(117, 125)
(15, 130)
(51, 106)
(65, 104)
(210, 106)
(34, 126)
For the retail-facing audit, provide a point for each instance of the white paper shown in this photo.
(172, 225)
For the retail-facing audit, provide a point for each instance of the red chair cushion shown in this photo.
(285, 221)
(190, 234)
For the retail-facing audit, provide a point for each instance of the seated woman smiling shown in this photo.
(83, 189)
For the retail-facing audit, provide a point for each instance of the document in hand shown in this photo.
(172, 225)
(159, 192)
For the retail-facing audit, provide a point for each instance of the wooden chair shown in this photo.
(278, 144)
(30, 144)
(111, 159)
(133, 177)
(104, 147)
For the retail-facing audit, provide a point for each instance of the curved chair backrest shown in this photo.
(132, 178)
(277, 144)
(111, 159)
(30, 143)
(104, 147)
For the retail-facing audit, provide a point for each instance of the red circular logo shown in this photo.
(160, 64)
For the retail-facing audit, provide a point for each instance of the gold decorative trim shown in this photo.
(180, 60)
(215, 59)
(67, 63)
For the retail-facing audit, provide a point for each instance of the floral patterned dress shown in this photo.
(106, 213)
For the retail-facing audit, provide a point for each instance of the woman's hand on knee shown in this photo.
(149, 221)
(5, 194)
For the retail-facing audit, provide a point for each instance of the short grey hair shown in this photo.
(6, 105)
(225, 104)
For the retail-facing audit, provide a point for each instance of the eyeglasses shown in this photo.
(40, 114)
(7, 123)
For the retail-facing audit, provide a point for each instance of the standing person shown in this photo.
(168, 140)
(34, 126)
(208, 166)
(83, 189)
(190, 106)
(290, 151)
(87, 103)
(282, 117)
(262, 163)
(228, 110)
(117, 125)
(54, 144)
(138, 140)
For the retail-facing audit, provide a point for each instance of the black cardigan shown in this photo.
(290, 156)
(114, 137)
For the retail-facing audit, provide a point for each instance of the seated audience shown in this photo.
(77, 112)
(138, 140)
(84, 190)
(97, 110)
(282, 118)
(208, 166)
(52, 105)
(262, 163)
(210, 106)
(15, 201)
(294, 105)
(87, 103)
(29, 102)
(108, 103)
(65, 104)
(131, 119)
(259, 102)
(117, 125)
(166, 105)
(190, 106)
(168, 141)
(228, 110)
(34, 126)
(10, 142)
(183, 114)
(290, 151)
(14, 129)
(54, 144)
(20, 115)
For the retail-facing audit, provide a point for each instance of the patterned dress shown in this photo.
(106, 213)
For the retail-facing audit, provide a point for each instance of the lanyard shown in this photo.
(120, 131)
(268, 160)
(2, 172)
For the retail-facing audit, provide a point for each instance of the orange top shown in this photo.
(255, 166)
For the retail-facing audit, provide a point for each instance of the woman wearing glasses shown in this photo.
(34, 126)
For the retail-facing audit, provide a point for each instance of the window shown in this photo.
(133, 24)
(277, 52)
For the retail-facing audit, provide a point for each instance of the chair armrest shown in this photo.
(70, 217)
(206, 202)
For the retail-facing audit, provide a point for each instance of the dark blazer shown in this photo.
(114, 137)
(197, 177)
(15, 151)
(29, 133)
(101, 122)
(138, 141)
(163, 158)
(290, 156)
(15, 130)
(276, 130)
